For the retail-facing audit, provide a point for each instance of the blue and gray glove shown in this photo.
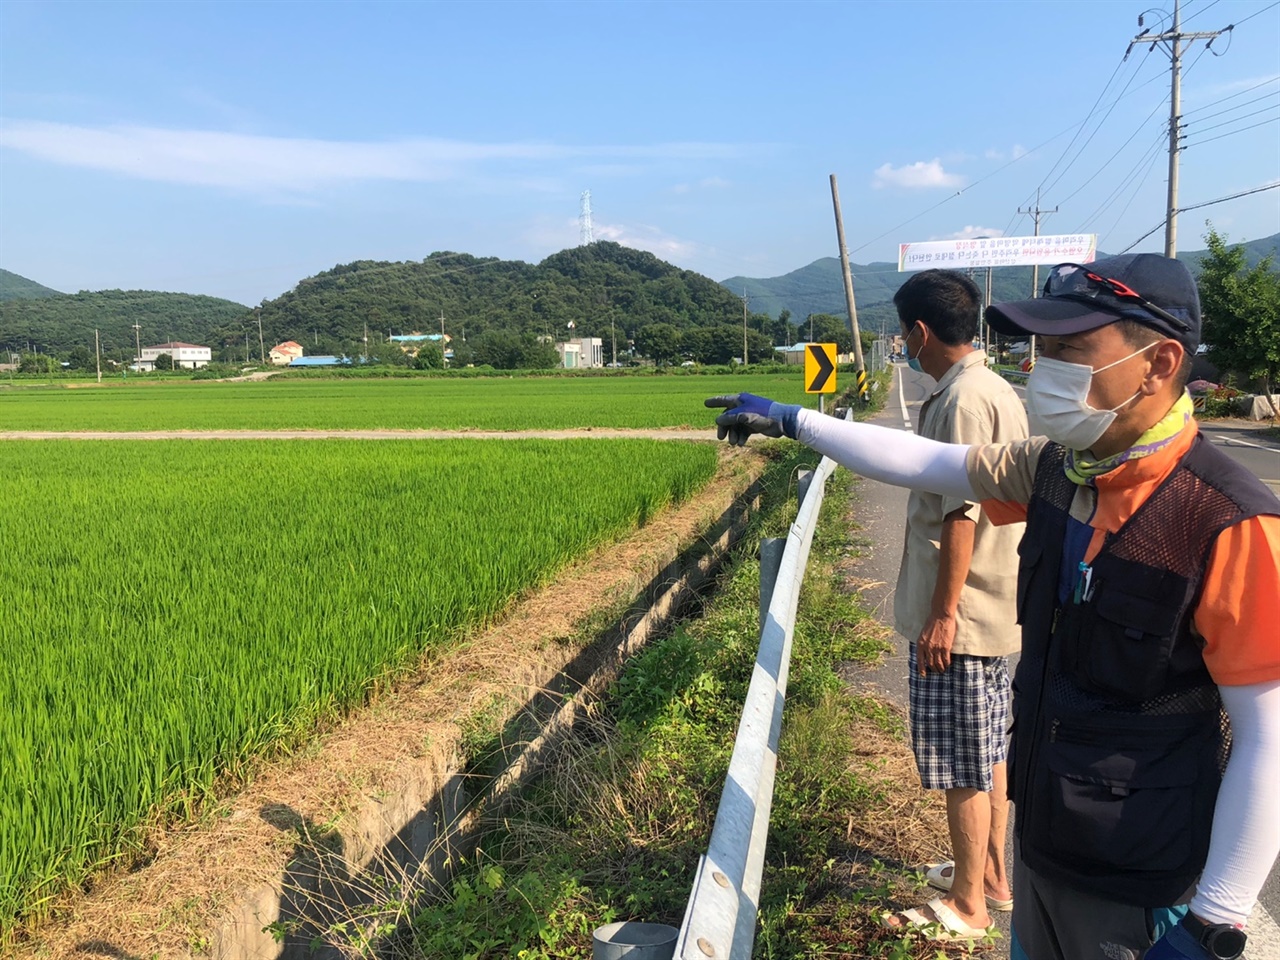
(746, 414)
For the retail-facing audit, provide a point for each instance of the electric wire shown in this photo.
(1136, 130)
(1138, 184)
(1144, 162)
(951, 197)
(1238, 106)
(1255, 14)
(1227, 123)
(1092, 110)
(1197, 206)
(1240, 93)
(1187, 20)
(1231, 133)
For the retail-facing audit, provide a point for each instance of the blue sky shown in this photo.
(234, 148)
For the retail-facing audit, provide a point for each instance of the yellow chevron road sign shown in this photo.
(820, 368)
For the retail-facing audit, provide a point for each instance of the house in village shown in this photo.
(282, 354)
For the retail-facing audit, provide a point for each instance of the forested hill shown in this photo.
(331, 312)
(588, 286)
(63, 322)
(15, 287)
(819, 288)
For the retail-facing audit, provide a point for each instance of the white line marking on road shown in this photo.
(902, 402)
(1246, 443)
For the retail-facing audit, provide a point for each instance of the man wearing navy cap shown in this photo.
(1145, 756)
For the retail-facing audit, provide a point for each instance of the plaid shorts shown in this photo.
(959, 721)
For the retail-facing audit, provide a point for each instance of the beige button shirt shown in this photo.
(973, 405)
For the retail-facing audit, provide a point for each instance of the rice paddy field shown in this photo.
(171, 610)
(497, 403)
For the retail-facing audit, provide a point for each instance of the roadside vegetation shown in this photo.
(614, 827)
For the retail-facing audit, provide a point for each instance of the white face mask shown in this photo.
(1058, 402)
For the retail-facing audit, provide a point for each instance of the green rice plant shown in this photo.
(498, 403)
(171, 610)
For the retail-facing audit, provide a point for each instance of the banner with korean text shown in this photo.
(998, 252)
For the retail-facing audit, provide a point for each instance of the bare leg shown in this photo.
(997, 874)
(969, 820)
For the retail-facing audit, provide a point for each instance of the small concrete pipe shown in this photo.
(632, 940)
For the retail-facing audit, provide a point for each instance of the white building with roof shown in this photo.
(188, 355)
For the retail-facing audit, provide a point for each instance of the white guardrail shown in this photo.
(720, 919)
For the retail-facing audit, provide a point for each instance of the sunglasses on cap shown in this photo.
(1079, 282)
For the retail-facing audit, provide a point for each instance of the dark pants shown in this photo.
(1052, 921)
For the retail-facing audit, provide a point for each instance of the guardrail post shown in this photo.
(771, 549)
(805, 478)
(631, 940)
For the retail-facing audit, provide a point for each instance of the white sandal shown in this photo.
(945, 927)
(942, 881)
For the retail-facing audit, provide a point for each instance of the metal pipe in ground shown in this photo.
(632, 940)
(771, 549)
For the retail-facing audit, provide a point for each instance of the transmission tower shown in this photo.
(585, 234)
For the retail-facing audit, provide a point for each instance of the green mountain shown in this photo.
(589, 287)
(14, 287)
(819, 288)
(60, 323)
(601, 290)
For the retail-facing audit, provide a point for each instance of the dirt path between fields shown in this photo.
(594, 433)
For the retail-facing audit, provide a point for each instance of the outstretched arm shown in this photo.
(891, 456)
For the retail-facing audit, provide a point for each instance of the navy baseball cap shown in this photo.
(1157, 292)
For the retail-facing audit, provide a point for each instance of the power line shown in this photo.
(1101, 123)
(1238, 106)
(1231, 133)
(1136, 130)
(1207, 203)
(1088, 117)
(1146, 159)
(1256, 14)
(1241, 93)
(1245, 116)
(1137, 188)
(1200, 11)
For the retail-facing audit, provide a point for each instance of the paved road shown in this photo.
(882, 512)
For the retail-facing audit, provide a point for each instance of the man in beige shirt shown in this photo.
(955, 604)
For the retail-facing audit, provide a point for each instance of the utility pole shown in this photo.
(262, 350)
(443, 361)
(1037, 213)
(744, 299)
(97, 353)
(848, 294)
(613, 341)
(137, 342)
(1174, 38)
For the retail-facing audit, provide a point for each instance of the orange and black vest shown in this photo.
(1119, 735)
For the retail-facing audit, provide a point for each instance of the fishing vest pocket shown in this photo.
(1118, 643)
(1125, 800)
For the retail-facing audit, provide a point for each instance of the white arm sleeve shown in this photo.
(1246, 822)
(891, 456)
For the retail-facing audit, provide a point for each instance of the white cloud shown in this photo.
(1016, 153)
(916, 176)
(257, 163)
(643, 237)
(706, 183)
(971, 233)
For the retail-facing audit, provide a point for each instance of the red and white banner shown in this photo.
(998, 252)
